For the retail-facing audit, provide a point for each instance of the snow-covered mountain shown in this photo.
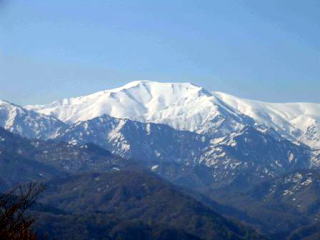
(296, 121)
(147, 142)
(252, 155)
(27, 123)
(185, 106)
(253, 152)
(180, 123)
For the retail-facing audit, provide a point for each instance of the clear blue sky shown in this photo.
(267, 50)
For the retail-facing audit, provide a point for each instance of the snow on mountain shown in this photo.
(147, 142)
(296, 121)
(27, 123)
(180, 123)
(246, 151)
(252, 152)
(183, 106)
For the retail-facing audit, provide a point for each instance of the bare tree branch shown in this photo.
(14, 223)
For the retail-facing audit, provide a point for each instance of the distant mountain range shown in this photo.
(185, 106)
(181, 123)
(92, 194)
(242, 153)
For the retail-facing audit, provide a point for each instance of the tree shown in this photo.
(15, 224)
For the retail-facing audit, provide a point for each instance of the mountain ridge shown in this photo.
(183, 106)
(186, 106)
(27, 123)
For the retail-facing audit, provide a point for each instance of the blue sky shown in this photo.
(267, 50)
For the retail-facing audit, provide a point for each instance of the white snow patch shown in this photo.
(155, 167)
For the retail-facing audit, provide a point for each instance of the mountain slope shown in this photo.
(16, 166)
(27, 123)
(98, 226)
(141, 141)
(139, 195)
(280, 205)
(253, 156)
(296, 121)
(249, 152)
(24, 160)
(183, 106)
(310, 232)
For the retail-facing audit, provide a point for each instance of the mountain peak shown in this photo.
(186, 106)
(163, 87)
(149, 82)
(174, 104)
(4, 103)
(25, 122)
